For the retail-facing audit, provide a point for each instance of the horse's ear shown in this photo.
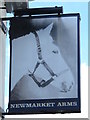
(48, 28)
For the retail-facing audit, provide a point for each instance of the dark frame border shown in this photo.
(78, 66)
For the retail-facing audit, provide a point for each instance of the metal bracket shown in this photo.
(3, 27)
(29, 13)
(1, 112)
(35, 11)
(2, 7)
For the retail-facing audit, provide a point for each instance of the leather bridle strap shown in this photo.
(43, 83)
(39, 51)
(48, 68)
(40, 58)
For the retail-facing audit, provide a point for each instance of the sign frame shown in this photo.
(49, 106)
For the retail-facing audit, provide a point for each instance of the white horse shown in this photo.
(43, 84)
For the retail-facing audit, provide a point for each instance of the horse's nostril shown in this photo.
(64, 86)
(55, 51)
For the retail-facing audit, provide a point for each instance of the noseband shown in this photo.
(41, 61)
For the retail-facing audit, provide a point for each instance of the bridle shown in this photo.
(41, 61)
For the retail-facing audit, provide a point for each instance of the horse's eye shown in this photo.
(55, 51)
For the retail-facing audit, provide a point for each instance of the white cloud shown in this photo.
(6, 102)
(84, 89)
(8, 51)
(84, 71)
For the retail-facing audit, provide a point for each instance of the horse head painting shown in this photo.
(39, 70)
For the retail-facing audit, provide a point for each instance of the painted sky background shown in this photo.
(68, 7)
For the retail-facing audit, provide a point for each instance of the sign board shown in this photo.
(44, 64)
